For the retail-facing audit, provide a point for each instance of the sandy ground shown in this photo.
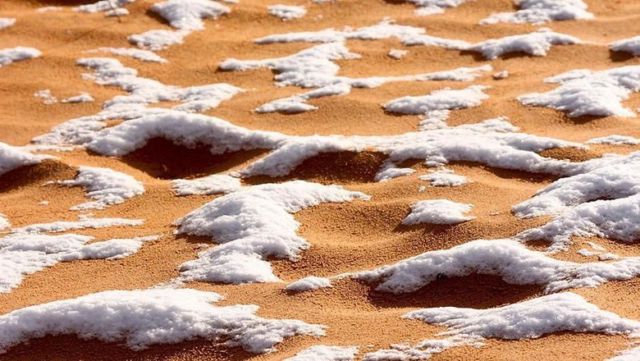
(344, 237)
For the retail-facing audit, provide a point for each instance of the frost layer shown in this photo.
(142, 318)
(251, 225)
(542, 11)
(105, 186)
(585, 92)
(11, 55)
(506, 258)
(438, 211)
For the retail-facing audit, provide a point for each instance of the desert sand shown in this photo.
(345, 237)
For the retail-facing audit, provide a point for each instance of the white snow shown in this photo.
(142, 318)
(397, 53)
(631, 45)
(528, 319)
(444, 178)
(83, 222)
(109, 7)
(308, 284)
(501, 75)
(506, 258)
(326, 353)
(47, 9)
(431, 7)
(105, 186)
(6, 22)
(46, 96)
(287, 12)
(22, 254)
(251, 225)
(11, 55)
(536, 43)
(601, 201)
(542, 11)
(183, 129)
(155, 40)
(445, 99)
(615, 139)
(4, 222)
(585, 92)
(390, 171)
(139, 54)
(80, 98)
(438, 211)
(215, 183)
(188, 14)
(13, 158)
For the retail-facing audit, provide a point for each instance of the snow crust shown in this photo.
(156, 40)
(438, 211)
(326, 353)
(22, 254)
(213, 184)
(142, 318)
(287, 12)
(506, 258)
(308, 284)
(19, 53)
(251, 225)
(586, 92)
(432, 7)
(105, 186)
(536, 43)
(397, 53)
(542, 11)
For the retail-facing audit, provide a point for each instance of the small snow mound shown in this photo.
(326, 353)
(631, 46)
(156, 40)
(397, 53)
(585, 92)
(432, 7)
(308, 284)
(80, 98)
(6, 22)
(142, 318)
(139, 54)
(251, 225)
(287, 12)
(542, 11)
(105, 186)
(615, 140)
(438, 100)
(438, 211)
(13, 157)
(108, 7)
(188, 14)
(506, 258)
(536, 43)
(215, 183)
(11, 55)
(444, 178)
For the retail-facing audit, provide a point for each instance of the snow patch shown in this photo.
(536, 43)
(287, 12)
(105, 186)
(444, 178)
(615, 140)
(542, 11)
(14, 157)
(438, 211)
(142, 318)
(83, 222)
(6, 22)
(308, 284)
(80, 98)
(215, 183)
(188, 14)
(139, 54)
(251, 225)
(326, 353)
(446, 99)
(11, 55)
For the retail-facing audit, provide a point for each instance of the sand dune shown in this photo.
(353, 111)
